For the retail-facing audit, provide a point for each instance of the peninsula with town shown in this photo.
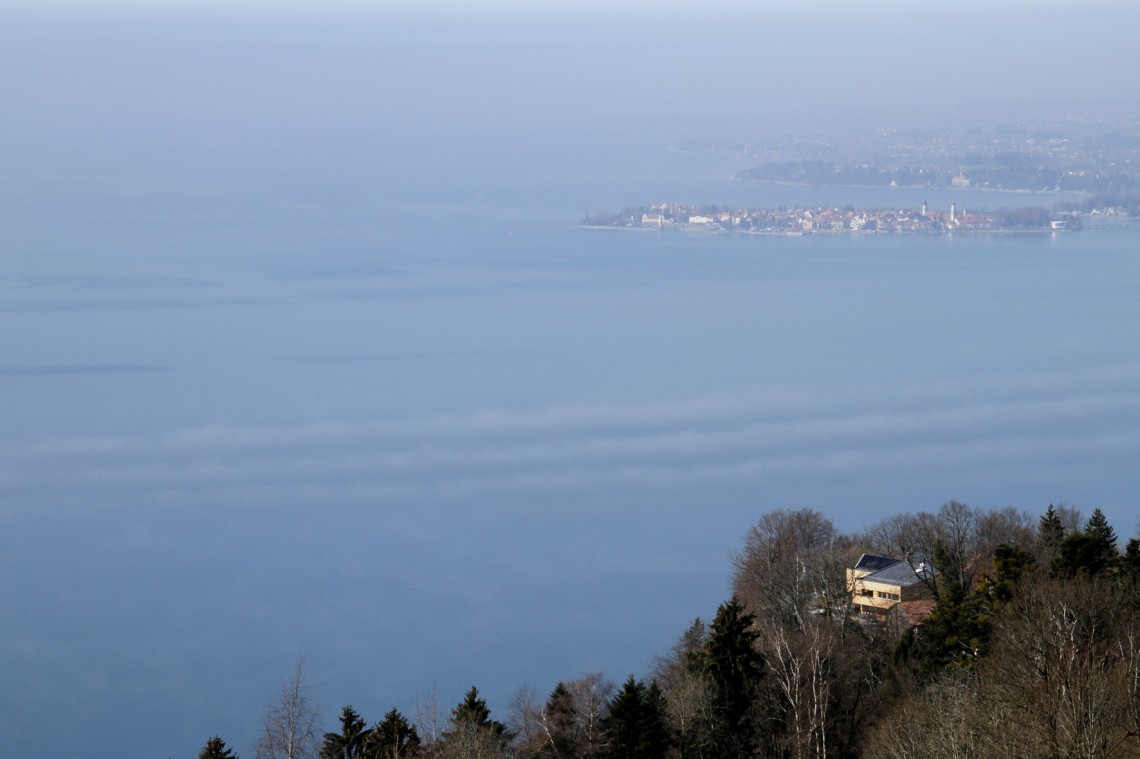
(1087, 172)
(833, 220)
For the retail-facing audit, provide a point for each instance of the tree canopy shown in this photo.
(1018, 641)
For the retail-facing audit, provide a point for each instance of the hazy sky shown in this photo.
(752, 7)
(230, 72)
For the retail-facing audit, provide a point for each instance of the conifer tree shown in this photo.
(471, 733)
(215, 748)
(955, 636)
(1010, 565)
(1081, 554)
(692, 640)
(735, 668)
(1050, 533)
(472, 710)
(957, 633)
(1099, 528)
(1089, 552)
(349, 742)
(392, 738)
(1131, 559)
(655, 736)
(558, 724)
(635, 727)
(1130, 572)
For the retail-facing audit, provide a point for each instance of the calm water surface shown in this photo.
(401, 417)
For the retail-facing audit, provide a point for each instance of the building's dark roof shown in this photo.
(872, 563)
(899, 573)
(896, 571)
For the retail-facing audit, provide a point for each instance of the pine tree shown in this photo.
(1099, 528)
(349, 742)
(1010, 565)
(735, 668)
(558, 724)
(655, 731)
(392, 738)
(1131, 559)
(692, 641)
(471, 733)
(1080, 554)
(215, 748)
(1130, 571)
(955, 635)
(472, 710)
(1089, 552)
(1050, 533)
(635, 727)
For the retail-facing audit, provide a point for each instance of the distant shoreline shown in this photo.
(932, 188)
(619, 229)
(832, 232)
(833, 220)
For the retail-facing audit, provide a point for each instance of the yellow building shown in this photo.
(877, 584)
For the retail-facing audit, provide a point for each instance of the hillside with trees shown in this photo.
(1027, 646)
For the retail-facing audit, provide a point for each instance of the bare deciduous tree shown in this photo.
(689, 694)
(1066, 664)
(430, 722)
(1063, 680)
(524, 719)
(1009, 526)
(289, 727)
(690, 710)
(590, 697)
(940, 722)
(793, 562)
(957, 540)
(568, 725)
(801, 663)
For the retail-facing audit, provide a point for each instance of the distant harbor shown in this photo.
(833, 220)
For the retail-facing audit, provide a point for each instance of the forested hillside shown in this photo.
(1028, 646)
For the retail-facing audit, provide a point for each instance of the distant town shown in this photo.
(834, 220)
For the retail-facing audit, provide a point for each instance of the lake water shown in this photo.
(391, 410)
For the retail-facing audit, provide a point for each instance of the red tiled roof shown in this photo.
(917, 611)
